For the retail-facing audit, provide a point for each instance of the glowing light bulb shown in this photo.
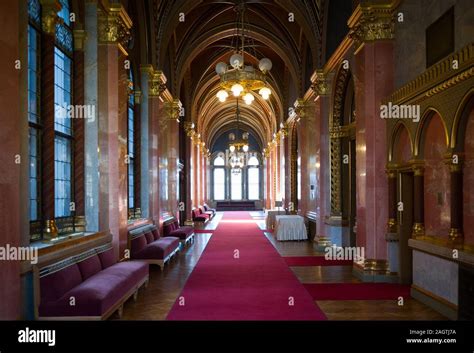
(246, 148)
(232, 148)
(222, 95)
(237, 89)
(265, 92)
(248, 98)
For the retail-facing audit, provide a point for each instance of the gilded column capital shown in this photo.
(418, 167)
(156, 83)
(320, 83)
(391, 173)
(300, 108)
(189, 128)
(114, 26)
(50, 18)
(372, 21)
(173, 109)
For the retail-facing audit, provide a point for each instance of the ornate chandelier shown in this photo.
(239, 78)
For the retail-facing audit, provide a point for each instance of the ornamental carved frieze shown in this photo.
(114, 26)
(372, 22)
(320, 86)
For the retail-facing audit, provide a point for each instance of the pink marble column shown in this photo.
(11, 134)
(323, 164)
(109, 148)
(122, 155)
(189, 177)
(153, 113)
(173, 177)
(373, 82)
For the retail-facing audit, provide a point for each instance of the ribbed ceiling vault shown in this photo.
(189, 50)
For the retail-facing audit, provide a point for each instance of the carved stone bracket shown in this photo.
(114, 26)
(372, 21)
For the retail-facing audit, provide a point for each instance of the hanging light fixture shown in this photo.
(239, 78)
(236, 144)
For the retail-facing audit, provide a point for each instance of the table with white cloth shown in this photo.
(270, 220)
(290, 227)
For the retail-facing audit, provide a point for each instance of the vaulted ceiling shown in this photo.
(190, 46)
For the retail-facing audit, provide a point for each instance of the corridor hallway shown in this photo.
(211, 284)
(145, 142)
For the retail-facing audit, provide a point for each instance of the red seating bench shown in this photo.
(145, 243)
(199, 217)
(207, 209)
(171, 228)
(88, 286)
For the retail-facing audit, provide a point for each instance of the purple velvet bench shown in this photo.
(171, 228)
(145, 243)
(88, 286)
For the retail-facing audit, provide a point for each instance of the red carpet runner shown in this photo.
(256, 286)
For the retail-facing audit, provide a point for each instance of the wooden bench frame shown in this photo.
(39, 272)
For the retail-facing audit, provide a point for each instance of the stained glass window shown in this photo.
(34, 12)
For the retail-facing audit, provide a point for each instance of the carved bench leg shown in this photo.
(135, 296)
(120, 311)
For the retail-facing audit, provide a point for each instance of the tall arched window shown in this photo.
(131, 144)
(253, 178)
(34, 113)
(219, 178)
(236, 184)
(64, 112)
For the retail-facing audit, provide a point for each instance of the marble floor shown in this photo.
(164, 287)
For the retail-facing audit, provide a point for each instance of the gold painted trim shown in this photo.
(418, 231)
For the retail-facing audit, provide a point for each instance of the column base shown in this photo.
(321, 243)
(374, 270)
(418, 230)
